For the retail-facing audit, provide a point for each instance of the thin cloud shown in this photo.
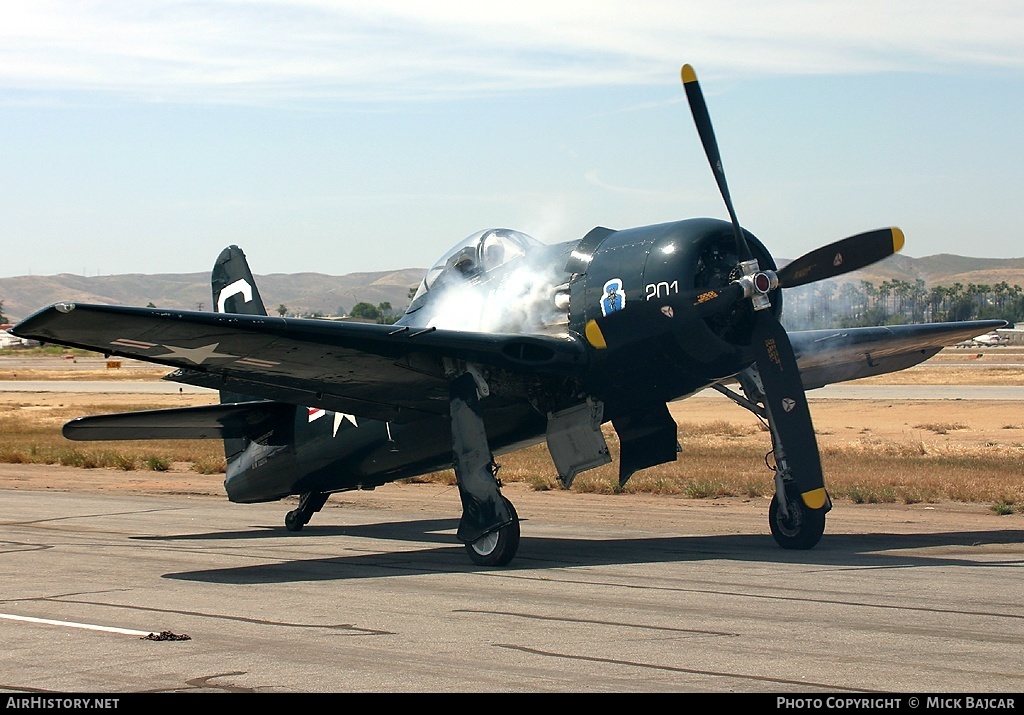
(256, 51)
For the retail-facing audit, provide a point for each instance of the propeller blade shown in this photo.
(841, 257)
(702, 119)
(785, 399)
(829, 261)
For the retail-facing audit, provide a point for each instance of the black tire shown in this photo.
(802, 529)
(499, 547)
(293, 520)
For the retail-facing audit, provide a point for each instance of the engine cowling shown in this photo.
(649, 278)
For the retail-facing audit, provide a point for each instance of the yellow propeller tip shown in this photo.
(688, 74)
(815, 499)
(594, 335)
(897, 240)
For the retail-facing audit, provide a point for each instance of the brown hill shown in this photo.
(944, 269)
(301, 293)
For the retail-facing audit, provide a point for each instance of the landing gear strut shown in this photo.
(489, 527)
(309, 504)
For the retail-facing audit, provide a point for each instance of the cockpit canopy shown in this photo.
(477, 255)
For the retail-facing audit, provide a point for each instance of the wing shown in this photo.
(827, 356)
(383, 372)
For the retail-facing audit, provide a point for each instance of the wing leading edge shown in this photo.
(381, 372)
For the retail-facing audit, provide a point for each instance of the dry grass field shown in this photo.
(891, 451)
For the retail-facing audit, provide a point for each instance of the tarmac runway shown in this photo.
(606, 595)
(119, 593)
(128, 387)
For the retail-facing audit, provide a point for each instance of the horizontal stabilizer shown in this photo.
(249, 419)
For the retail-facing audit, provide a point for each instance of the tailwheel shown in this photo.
(309, 504)
(801, 528)
(498, 547)
(294, 521)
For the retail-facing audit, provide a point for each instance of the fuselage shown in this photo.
(506, 282)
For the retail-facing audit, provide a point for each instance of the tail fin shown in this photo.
(234, 288)
(234, 291)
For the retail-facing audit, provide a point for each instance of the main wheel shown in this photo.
(498, 547)
(802, 529)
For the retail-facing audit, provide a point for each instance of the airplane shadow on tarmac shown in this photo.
(852, 551)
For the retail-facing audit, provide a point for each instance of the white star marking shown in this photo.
(196, 356)
(339, 418)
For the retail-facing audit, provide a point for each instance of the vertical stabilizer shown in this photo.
(234, 288)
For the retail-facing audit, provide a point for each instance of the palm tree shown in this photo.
(937, 303)
(884, 291)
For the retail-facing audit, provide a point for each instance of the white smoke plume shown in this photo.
(523, 301)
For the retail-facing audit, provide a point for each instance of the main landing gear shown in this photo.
(489, 527)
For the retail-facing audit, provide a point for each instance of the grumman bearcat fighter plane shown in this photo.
(509, 342)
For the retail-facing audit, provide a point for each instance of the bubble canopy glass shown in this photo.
(478, 254)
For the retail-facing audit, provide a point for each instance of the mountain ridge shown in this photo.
(301, 293)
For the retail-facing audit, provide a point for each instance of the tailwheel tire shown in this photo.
(293, 520)
(802, 529)
(498, 547)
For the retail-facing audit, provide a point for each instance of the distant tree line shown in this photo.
(834, 304)
(380, 313)
(367, 312)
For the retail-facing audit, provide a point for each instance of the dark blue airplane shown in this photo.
(509, 342)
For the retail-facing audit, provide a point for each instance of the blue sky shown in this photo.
(333, 136)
